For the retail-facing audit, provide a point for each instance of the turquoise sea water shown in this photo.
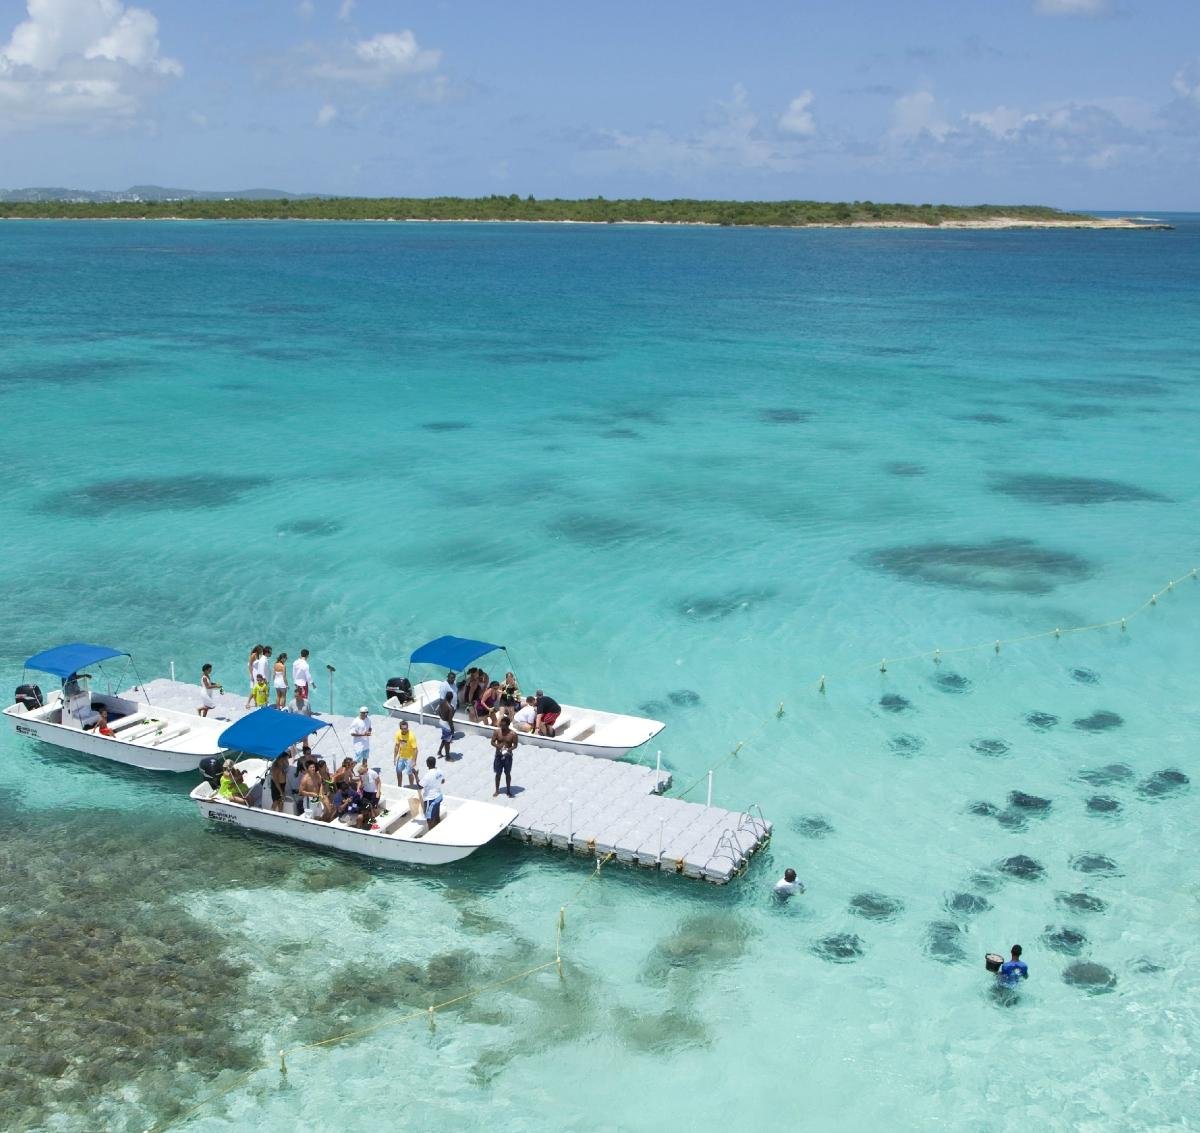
(653, 462)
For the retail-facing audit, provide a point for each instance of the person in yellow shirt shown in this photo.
(261, 692)
(405, 753)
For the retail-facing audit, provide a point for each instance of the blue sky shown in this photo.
(1076, 103)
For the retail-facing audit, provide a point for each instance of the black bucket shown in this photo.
(993, 961)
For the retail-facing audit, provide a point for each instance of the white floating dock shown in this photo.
(565, 800)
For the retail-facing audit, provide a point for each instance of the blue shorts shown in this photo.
(447, 731)
(404, 766)
(433, 808)
(502, 761)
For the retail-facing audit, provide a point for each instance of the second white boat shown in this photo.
(589, 731)
(401, 833)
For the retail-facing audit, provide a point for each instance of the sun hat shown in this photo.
(363, 709)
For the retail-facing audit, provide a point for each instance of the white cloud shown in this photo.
(730, 139)
(797, 118)
(345, 9)
(89, 62)
(327, 115)
(1003, 121)
(1186, 81)
(378, 61)
(1071, 7)
(200, 121)
(918, 115)
(306, 9)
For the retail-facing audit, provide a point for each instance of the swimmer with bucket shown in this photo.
(1008, 972)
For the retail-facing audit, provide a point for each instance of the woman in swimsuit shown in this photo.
(474, 686)
(510, 696)
(281, 681)
(485, 706)
(255, 653)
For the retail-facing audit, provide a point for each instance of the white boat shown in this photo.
(143, 735)
(401, 833)
(589, 731)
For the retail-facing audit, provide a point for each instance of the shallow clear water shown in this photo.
(649, 460)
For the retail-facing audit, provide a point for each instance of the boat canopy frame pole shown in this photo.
(140, 683)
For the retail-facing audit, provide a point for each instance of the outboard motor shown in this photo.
(29, 696)
(399, 687)
(211, 767)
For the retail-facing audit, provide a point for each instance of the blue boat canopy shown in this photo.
(453, 652)
(63, 660)
(268, 731)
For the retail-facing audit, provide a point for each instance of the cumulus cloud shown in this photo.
(918, 115)
(731, 138)
(345, 9)
(88, 62)
(306, 9)
(378, 61)
(797, 118)
(327, 115)
(1186, 82)
(1071, 7)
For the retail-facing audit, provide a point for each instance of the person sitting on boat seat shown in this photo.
(431, 793)
(524, 720)
(280, 768)
(344, 775)
(102, 725)
(348, 804)
(485, 707)
(370, 786)
(548, 711)
(233, 787)
(510, 695)
(312, 793)
(472, 688)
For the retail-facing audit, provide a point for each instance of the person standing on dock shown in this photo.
(252, 668)
(280, 681)
(445, 711)
(207, 695)
(504, 740)
(302, 678)
(404, 751)
(360, 735)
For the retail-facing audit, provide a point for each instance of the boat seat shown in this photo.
(561, 727)
(128, 722)
(583, 733)
(79, 708)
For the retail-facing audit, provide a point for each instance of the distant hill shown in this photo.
(144, 193)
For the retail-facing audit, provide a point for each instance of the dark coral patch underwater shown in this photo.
(1018, 566)
(1043, 489)
(152, 493)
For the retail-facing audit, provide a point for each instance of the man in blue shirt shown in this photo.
(1014, 970)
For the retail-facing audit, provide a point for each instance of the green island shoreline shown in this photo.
(596, 210)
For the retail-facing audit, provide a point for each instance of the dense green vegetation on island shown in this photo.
(594, 210)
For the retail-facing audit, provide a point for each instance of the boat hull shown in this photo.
(114, 748)
(637, 731)
(466, 824)
(332, 836)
